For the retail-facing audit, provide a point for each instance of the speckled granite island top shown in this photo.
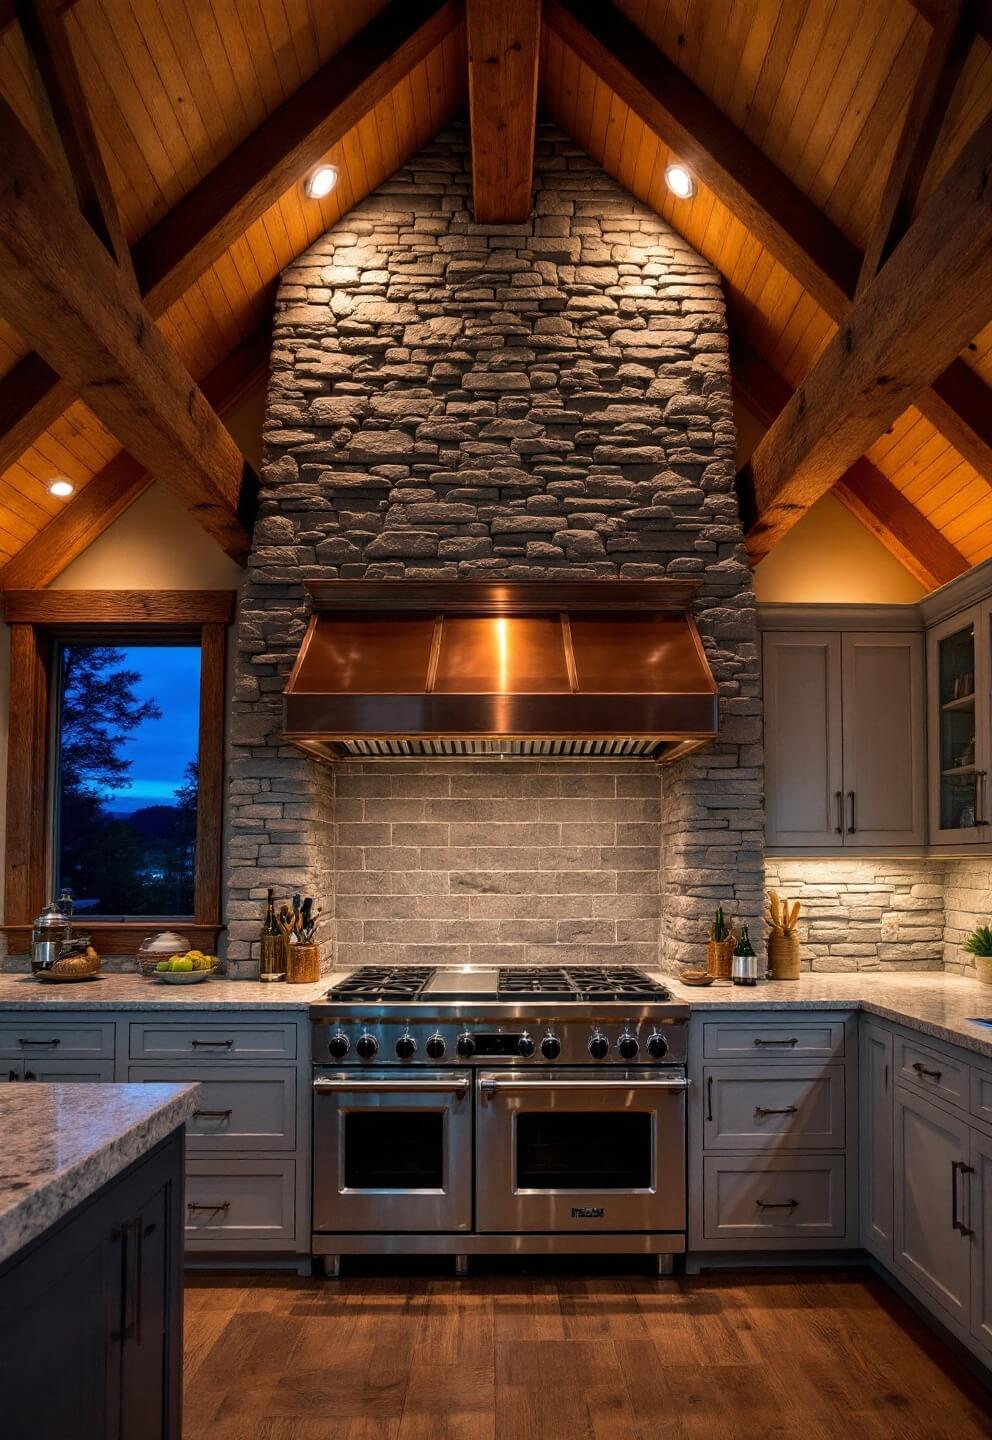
(135, 992)
(60, 1143)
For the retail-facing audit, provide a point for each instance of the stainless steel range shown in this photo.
(479, 1111)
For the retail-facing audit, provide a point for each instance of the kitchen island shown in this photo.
(91, 1259)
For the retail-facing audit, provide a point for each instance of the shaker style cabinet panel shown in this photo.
(875, 1077)
(960, 716)
(803, 756)
(883, 746)
(844, 750)
(932, 1242)
(980, 1194)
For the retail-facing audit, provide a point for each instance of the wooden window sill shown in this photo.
(121, 937)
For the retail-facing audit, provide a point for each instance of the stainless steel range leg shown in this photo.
(331, 1266)
(666, 1264)
(461, 1265)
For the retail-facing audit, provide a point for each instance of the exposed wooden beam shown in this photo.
(935, 11)
(277, 155)
(946, 53)
(800, 236)
(919, 311)
(959, 405)
(503, 51)
(61, 290)
(123, 480)
(59, 92)
(176, 252)
(59, 609)
(8, 11)
(718, 153)
(868, 494)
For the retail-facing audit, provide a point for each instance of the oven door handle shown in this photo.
(591, 1084)
(458, 1085)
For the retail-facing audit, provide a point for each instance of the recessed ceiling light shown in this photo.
(321, 182)
(61, 488)
(680, 182)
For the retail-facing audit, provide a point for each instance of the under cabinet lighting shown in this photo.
(680, 182)
(321, 182)
(61, 488)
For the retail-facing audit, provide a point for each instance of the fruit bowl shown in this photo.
(182, 977)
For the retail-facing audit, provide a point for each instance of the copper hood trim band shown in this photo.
(527, 669)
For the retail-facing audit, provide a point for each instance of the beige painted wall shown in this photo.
(828, 557)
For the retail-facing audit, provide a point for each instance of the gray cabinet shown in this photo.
(844, 749)
(980, 1198)
(932, 1243)
(960, 729)
(875, 1104)
(59, 1072)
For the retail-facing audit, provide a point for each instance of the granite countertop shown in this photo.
(933, 1003)
(940, 1005)
(60, 1143)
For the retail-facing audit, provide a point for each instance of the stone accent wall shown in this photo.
(866, 914)
(456, 400)
(967, 904)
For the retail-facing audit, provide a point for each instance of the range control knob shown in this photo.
(525, 1046)
(599, 1046)
(466, 1045)
(627, 1045)
(435, 1046)
(338, 1045)
(367, 1046)
(406, 1046)
(657, 1046)
(550, 1046)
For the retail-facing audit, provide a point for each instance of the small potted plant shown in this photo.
(979, 944)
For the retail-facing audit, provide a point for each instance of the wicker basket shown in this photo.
(719, 957)
(983, 965)
(302, 964)
(783, 955)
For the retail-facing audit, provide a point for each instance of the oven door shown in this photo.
(571, 1151)
(392, 1152)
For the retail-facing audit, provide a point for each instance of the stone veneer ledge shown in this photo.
(538, 400)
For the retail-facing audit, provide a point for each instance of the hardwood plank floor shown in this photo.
(734, 1356)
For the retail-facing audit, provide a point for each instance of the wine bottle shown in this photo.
(272, 963)
(744, 966)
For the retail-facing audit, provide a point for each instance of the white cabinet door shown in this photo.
(883, 725)
(932, 1241)
(875, 1092)
(804, 782)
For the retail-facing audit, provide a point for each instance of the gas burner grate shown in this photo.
(581, 982)
(383, 982)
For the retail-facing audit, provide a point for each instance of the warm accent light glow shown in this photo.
(321, 182)
(503, 650)
(680, 182)
(61, 488)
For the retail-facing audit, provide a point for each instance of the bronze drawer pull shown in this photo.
(958, 1167)
(212, 1114)
(793, 1040)
(922, 1070)
(50, 1044)
(776, 1204)
(220, 1207)
(223, 1044)
(761, 1110)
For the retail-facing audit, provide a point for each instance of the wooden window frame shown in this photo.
(37, 620)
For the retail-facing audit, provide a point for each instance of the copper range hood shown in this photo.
(410, 669)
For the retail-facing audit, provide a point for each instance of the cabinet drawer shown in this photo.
(26, 1038)
(240, 1107)
(247, 1200)
(760, 1107)
(981, 1095)
(212, 1041)
(66, 1072)
(930, 1072)
(781, 1039)
(802, 1198)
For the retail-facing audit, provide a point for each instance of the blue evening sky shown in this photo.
(159, 749)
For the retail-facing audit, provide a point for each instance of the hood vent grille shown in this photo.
(498, 670)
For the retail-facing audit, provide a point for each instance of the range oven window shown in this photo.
(394, 1150)
(582, 1150)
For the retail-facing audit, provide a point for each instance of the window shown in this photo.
(116, 774)
(127, 742)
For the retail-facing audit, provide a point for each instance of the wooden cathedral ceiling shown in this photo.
(207, 113)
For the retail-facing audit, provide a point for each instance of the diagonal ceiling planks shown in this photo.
(920, 309)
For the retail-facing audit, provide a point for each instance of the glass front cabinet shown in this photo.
(960, 673)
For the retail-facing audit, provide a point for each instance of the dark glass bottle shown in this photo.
(272, 961)
(744, 966)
